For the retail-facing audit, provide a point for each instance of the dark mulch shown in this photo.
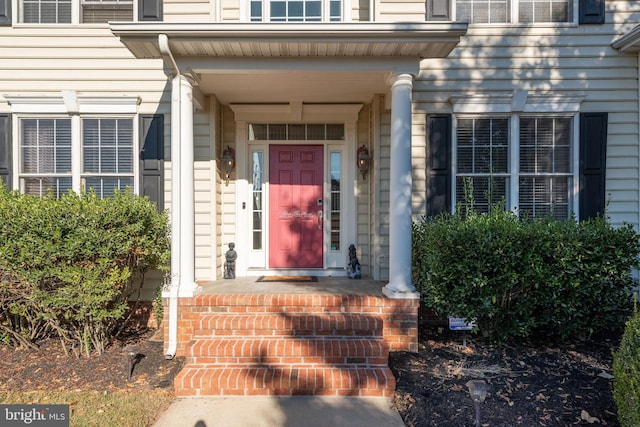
(48, 368)
(530, 385)
(542, 384)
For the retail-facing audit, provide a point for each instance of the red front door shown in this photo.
(295, 206)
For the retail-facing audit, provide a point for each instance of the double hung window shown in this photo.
(525, 160)
(296, 10)
(45, 149)
(107, 150)
(46, 11)
(48, 151)
(514, 11)
(62, 12)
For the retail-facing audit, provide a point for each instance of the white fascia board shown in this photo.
(398, 65)
(260, 31)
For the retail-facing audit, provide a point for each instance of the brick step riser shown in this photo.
(217, 333)
(298, 324)
(273, 347)
(258, 380)
(287, 361)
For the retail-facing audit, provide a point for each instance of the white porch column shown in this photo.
(400, 285)
(175, 184)
(188, 286)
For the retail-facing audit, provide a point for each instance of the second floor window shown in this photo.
(296, 10)
(97, 11)
(46, 11)
(514, 11)
(60, 11)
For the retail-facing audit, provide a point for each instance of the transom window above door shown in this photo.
(296, 10)
(296, 132)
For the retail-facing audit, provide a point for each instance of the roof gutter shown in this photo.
(174, 73)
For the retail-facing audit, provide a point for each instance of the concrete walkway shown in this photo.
(286, 411)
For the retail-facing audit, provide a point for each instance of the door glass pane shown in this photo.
(336, 161)
(257, 178)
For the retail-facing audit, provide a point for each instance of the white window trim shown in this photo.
(514, 18)
(513, 105)
(76, 107)
(16, 6)
(245, 11)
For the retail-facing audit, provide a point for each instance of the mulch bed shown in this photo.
(538, 384)
(48, 368)
(541, 384)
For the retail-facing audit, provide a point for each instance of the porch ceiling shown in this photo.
(293, 85)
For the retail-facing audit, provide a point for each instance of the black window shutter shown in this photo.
(439, 10)
(152, 158)
(438, 197)
(5, 12)
(592, 12)
(149, 10)
(5, 149)
(593, 164)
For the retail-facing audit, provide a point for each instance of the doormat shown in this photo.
(287, 279)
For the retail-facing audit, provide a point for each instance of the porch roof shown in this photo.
(287, 40)
(628, 42)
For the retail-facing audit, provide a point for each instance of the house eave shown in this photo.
(268, 40)
(629, 42)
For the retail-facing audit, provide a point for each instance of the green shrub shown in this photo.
(626, 370)
(68, 266)
(525, 277)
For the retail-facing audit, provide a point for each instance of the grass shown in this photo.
(130, 408)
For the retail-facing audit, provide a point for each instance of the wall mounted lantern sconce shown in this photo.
(363, 160)
(228, 162)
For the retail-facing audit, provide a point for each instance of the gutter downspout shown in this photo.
(174, 73)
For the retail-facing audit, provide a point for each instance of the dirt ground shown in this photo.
(530, 385)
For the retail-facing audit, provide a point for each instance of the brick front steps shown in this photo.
(291, 344)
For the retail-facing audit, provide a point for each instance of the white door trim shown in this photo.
(290, 113)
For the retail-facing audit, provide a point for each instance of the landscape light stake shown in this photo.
(131, 353)
(478, 391)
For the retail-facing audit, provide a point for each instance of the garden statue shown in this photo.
(230, 262)
(353, 268)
